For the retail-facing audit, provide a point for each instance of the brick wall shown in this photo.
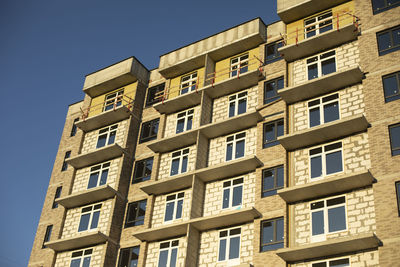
(166, 159)
(170, 125)
(365, 259)
(153, 253)
(63, 259)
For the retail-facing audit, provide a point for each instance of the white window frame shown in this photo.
(107, 131)
(91, 212)
(330, 260)
(169, 249)
(100, 169)
(82, 257)
(235, 261)
(185, 116)
(321, 108)
(322, 237)
(113, 99)
(230, 188)
(191, 80)
(235, 98)
(317, 23)
(323, 160)
(237, 64)
(319, 62)
(183, 153)
(175, 201)
(234, 141)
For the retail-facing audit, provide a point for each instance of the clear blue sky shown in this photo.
(46, 48)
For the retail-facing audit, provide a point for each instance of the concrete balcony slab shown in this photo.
(96, 156)
(330, 247)
(80, 241)
(234, 124)
(325, 132)
(103, 119)
(179, 103)
(319, 42)
(163, 232)
(167, 185)
(88, 196)
(326, 186)
(184, 139)
(322, 85)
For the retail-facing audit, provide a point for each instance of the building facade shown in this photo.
(262, 145)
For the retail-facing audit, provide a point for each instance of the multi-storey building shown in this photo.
(262, 145)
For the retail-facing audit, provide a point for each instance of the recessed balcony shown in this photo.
(322, 85)
(170, 184)
(324, 132)
(83, 240)
(96, 156)
(330, 247)
(117, 75)
(326, 186)
(88, 196)
(183, 139)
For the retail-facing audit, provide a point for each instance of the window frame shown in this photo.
(276, 56)
(136, 221)
(140, 179)
(100, 169)
(94, 209)
(153, 124)
(156, 88)
(321, 107)
(191, 81)
(236, 139)
(170, 248)
(82, 257)
(275, 141)
(275, 233)
(178, 196)
(322, 237)
(234, 66)
(74, 128)
(108, 132)
(383, 9)
(231, 188)
(67, 155)
(391, 49)
(235, 100)
(396, 149)
(317, 24)
(57, 195)
(323, 154)
(319, 64)
(228, 239)
(275, 89)
(47, 235)
(130, 251)
(186, 116)
(182, 154)
(395, 96)
(111, 102)
(397, 188)
(275, 174)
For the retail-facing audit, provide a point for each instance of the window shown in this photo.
(272, 130)
(272, 181)
(272, 234)
(149, 130)
(237, 104)
(332, 263)
(323, 110)
(388, 41)
(154, 94)
(107, 136)
(271, 52)
(135, 213)
(327, 216)
(129, 257)
(229, 245)
(383, 5)
(142, 170)
(232, 193)
(113, 100)
(326, 160)
(98, 175)
(321, 65)
(168, 253)
(188, 83)
(47, 235)
(74, 128)
(173, 207)
(56, 196)
(184, 121)
(271, 90)
(81, 258)
(398, 195)
(391, 86)
(89, 218)
(179, 161)
(235, 146)
(318, 24)
(241, 63)
(394, 132)
(65, 164)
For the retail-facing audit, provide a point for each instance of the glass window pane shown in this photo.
(242, 106)
(234, 248)
(269, 133)
(124, 258)
(189, 123)
(111, 139)
(95, 220)
(336, 219)
(268, 232)
(280, 130)
(319, 264)
(331, 112)
(225, 198)
(328, 66)
(390, 86)
(378, 4)
(103, 179)
(268, 180)
(395, 137)
(93, 180)
(180, 126)
(229, 151)
(132, 211)
(312, 71)
(84, 223)
(237, 196)
(334, 162)
(239, 149)
(174, 167)
(101, 141)
(384, 41)
(184, 164)
(316, 167)
(396, 37)
(222, 250)
(280, 177)
(75, 263)
(279, 230)
(314, 117)
(339, 263)
(86, 262)
(317, 222)
(174, 255)
(163, 259)
(179, 209)
(169, 211)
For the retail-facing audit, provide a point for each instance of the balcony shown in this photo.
(219, 46)
(88, 196)
(291, 10)
(117, 75)
(83, 240)
(330, 247)
(321, 85)
(326, 186)
(344, 28)
(167, 185)
(96, 156)
(183, 139)
(324, 132)
(163, 232)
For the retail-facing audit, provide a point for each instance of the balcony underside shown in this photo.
(174, 142)
(326, 186)
(103, 119)
(325, 132)
(97, 156)
(319, 42)
(169, 184)
(83, 240)
(163, 232)
(322, 85)
(330, 247)
(88, 196)
(179, 103)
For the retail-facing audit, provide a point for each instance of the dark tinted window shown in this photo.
(398, 196)
(57, 195)
(271, 90)
(391, 86)
(394, 132)
(271, 52)
(74, 128)
(388, 41)
(272, 181)
(135, 213)
(272, 234)
(65, 164)
(272, 131)
(142, 170)
(383, 5)
(129, 257)
(47, 235)
(154, 94)
(149, 130)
